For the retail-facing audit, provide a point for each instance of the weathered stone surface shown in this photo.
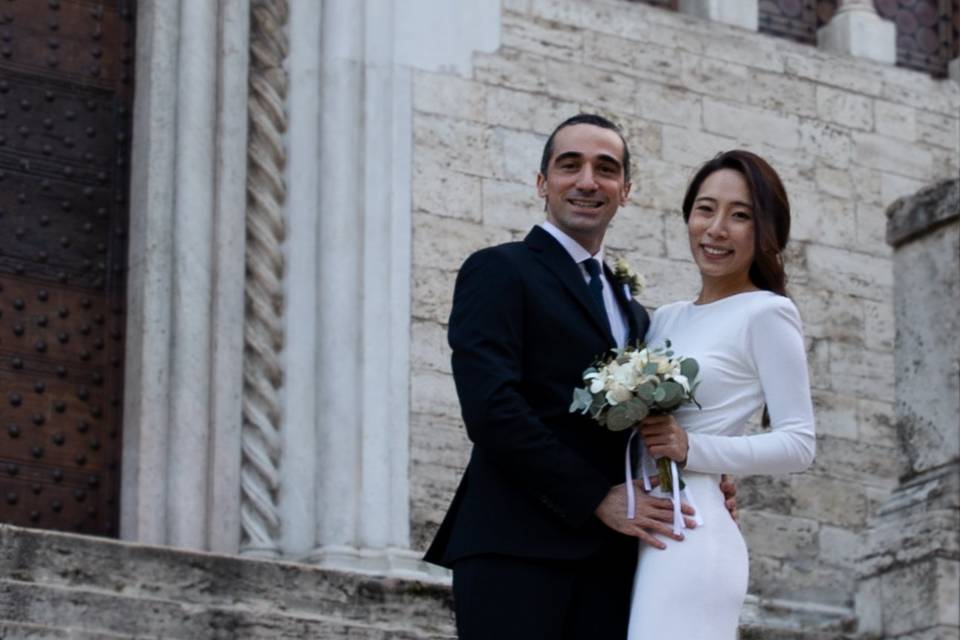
(844, 108)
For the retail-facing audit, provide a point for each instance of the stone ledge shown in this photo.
(917, 215)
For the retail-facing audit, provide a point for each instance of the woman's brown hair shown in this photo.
(771, 213)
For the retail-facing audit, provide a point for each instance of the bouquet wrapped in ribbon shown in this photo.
(631, 383)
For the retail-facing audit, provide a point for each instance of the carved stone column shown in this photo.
(910, 587)
(858, 30)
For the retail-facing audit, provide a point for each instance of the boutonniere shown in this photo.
(631, 281)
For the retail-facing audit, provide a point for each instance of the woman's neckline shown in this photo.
(694, 303)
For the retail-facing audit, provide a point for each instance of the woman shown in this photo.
(746, 335)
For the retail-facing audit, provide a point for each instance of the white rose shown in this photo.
(617, 394)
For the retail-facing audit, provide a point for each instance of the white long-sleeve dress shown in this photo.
(750, 350)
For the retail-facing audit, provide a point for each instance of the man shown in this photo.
(537, 534)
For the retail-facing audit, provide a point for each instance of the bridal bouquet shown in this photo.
(634, 382)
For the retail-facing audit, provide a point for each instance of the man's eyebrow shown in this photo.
(576, 155)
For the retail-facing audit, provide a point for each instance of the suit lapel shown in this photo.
(552, 254)
(626, 305)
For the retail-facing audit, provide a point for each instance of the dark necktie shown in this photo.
(596, 286)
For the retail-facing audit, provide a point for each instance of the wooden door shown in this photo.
(66, 90)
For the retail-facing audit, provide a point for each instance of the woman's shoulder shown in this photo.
(669, 310)
(767, 310)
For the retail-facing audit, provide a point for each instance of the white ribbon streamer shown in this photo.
(679, 524)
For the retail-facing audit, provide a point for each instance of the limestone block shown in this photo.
(513, 69)
(751, 124)
(853, 273)
(867, 373)
(660, 185)
(849, 74)
(515, 155)
(716, 79)
(667, 280)
(860, 461)
(439, 450)
(630, 58)
(511, 205)
(895, 120)
(432, 293)
(433, 393)
(829, 315)
(548, 39)
(667, 104)
(444, 243)
(836, 414)
(844, 108)
(839, 546)
(818, 363)
(782, 93)
(448, 95)
(635, 230)
(828, 500)
(765, 53)
(644, 138)
(831, 143)
(743, 14)
(460, 145)
(442, 191)
(921, 91)
(616, 18)
(872, 230)
(524, 110)
(823, 219)
(869, 606)
(765, 494)
(801, 581)
(894, 187)
(891, 155)
(676, 239)
(938, 129)
(693, 148)
(868, 185)
(832, 181)
(596, 90)
(428, 346)
(779, 536)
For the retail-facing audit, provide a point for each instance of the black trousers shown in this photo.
(503, 597)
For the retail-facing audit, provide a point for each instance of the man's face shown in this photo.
(584, 185)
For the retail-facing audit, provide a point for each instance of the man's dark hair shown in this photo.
(595, 120)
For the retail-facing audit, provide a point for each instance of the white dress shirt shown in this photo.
(618, 323)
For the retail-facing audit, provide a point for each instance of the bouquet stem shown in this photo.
(666, 478)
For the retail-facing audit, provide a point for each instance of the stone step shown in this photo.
(22, 631)
(99, 568)
(42, 609)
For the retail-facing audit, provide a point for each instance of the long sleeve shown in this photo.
(774, 342)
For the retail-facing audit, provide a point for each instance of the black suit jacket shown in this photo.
(523, 328)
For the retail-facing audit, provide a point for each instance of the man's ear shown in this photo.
(541, 185)
(625, 193)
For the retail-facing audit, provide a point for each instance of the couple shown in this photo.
(537, 535)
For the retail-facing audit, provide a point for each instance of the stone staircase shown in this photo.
(55, 585)
(62, 586)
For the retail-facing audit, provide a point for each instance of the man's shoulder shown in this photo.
(505, 253)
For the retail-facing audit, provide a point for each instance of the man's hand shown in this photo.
(729, 489)
(665, 438)
(654, 515)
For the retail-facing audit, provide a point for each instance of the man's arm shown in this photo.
(486, 335)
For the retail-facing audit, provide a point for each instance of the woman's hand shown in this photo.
(665, 438)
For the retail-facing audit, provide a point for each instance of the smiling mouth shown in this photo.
(716, 251)
(585, 204)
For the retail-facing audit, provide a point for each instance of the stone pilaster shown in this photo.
(910, 586)
(743, 13)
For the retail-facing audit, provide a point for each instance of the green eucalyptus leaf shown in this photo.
(645, 392)
(618, 418)
(689, 368)
(650, 369)
(582, 400)
(659, 394)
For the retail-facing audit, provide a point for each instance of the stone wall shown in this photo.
(847, 136)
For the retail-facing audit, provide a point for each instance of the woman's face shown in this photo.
(721, 228)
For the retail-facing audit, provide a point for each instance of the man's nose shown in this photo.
(585, 180)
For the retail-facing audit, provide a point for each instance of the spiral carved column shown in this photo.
(263, 331)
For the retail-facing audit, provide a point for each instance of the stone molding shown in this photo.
(181, 456)
(914, 216)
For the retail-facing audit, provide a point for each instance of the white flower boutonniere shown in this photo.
(631, 281)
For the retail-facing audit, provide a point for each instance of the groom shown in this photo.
(537, 535)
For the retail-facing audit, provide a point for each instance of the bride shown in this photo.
(746, 335)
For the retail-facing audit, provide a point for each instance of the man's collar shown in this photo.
(574, 248)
